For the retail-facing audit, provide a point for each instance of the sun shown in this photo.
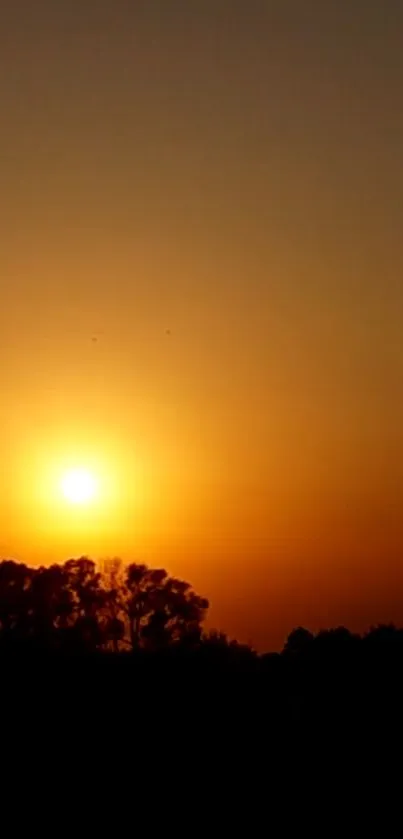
(79, 486)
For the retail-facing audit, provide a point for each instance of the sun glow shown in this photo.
(79, 486)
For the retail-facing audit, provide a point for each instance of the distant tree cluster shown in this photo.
(77, 607)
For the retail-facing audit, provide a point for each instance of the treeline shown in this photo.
(76, 636)
(76, 607)
(79, 606)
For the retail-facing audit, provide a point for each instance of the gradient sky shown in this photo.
(213, 190)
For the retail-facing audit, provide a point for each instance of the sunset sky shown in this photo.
(201, 275)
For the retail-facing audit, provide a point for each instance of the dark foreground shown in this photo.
(217, 735)
(111, 674)
(334, 683)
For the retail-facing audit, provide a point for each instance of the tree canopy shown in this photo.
(77, 606)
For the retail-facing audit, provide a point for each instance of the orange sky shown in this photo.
(230, 172)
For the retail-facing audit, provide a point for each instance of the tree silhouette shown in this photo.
(299, 641)
(113, 607)
(51, 607)
(76, 607)
(15, 583)
(107, 631)
(160, 609)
